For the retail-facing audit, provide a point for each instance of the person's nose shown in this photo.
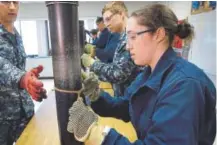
(11, 6)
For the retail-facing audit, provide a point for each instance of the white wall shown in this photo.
(203, 48)
(42, 38)
(182, 9)
(38, 10)
(45, 61)
(32, 11)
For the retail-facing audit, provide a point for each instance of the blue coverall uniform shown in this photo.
(173, 105)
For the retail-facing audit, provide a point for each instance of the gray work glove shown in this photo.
(87, 60)
(81, 120)
(91, 87)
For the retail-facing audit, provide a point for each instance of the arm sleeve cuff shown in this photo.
(111, 137)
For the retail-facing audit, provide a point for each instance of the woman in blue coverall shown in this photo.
(172, 102)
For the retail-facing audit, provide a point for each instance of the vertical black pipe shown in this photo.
(82, 35)
(63, 20)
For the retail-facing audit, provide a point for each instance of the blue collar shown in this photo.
(104, 30)
(5, 34)
(3, 31)
(155, 79)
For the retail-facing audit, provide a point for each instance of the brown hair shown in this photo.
(115, 7)
(158, 15)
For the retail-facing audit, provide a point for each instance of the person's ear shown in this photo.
(122, 15)
(160, 34)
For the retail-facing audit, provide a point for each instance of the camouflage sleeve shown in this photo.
(9, 74)
(116, 72)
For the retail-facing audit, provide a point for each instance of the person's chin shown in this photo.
(111, 30)
(12, 20)
(134, 60)
(138, 63)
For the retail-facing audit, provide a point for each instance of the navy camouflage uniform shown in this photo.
(121, 72)
(16, 105)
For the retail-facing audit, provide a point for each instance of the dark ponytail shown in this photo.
(185, 31)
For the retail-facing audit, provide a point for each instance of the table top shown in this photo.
(43, 128)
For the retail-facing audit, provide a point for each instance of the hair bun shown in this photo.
(184, 30)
